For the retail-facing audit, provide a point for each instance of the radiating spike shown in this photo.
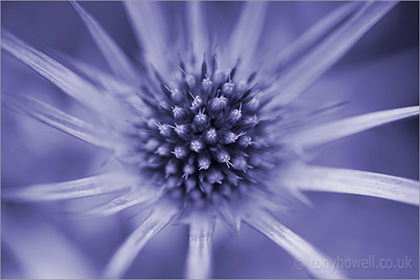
(36, 244)
(105, 80)
(334, 130)
(326, 179)
(144, 197)
(197, 27)
(314, 34)
(127, 252)
(92, 134)
(114, 55)
(306, 256)
(245, 36)
(147, 22)
(89, 186)
(327, 53)
(75, 86)
(204, 68)
(199, 260)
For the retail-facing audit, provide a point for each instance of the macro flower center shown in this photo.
(206, 137)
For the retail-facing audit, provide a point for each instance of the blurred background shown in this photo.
(380, 72)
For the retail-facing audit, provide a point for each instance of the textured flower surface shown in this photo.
(207, 118)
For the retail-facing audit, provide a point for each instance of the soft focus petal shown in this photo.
(328, 52)
(148, 25)
(245, 36)
(335, 130)
(90, 186)
(304, 253)
(115, 57)
(96, 135)
(144, 197)
(47, 253)
(65, 79)
(126, 253)
(199, 259)
(313, 34)
(349, 181)
(197, 27)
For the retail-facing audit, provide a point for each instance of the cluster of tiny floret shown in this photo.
(205, 138)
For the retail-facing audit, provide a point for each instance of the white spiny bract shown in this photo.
(205, 139)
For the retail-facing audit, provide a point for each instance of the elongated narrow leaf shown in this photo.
(75, 86)
(128, 251)
(148, 25)
(327, 53)
(306, 256)
(114, 55)
(314, 33)
(325, 179)
(89, 186)
(73, 126)
(197, 27)
(322, 134)
(199, 260)
(245, 36)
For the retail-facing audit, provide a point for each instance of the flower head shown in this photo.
(206, 132)
(207, 136)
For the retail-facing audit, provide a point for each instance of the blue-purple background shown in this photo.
(380, 72)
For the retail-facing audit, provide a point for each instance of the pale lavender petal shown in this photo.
(144, 196)
(125, 92)
(245, 36)
(113, 54)
(197, 27)
(326, 54)
(105, 80)
(199, 259)
(85, 187)
(314, 33)
(42, 250)
(72, 84)
(326, 179)
(334, 130)
(92, 134)
(147, 21)
(126, 253)
(306, 255)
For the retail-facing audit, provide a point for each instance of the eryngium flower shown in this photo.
(206, 129)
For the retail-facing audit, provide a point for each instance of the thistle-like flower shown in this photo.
(204, 132)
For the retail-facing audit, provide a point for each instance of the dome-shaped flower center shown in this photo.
(207, 137)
